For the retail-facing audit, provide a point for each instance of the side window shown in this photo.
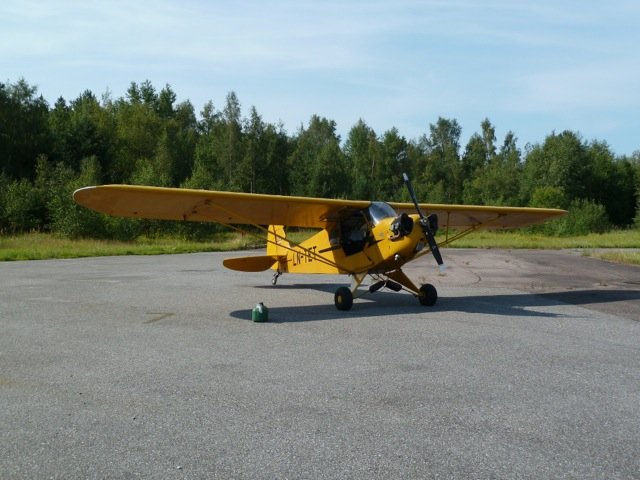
(355, 230)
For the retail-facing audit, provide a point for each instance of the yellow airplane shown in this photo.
(359, 238)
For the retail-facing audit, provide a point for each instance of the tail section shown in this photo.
(276, 257)
(306, 257)
(277, 244)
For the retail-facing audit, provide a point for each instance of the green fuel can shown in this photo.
(260, 313)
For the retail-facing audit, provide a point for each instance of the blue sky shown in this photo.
(530, 67)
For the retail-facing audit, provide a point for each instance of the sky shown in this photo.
(530, 67)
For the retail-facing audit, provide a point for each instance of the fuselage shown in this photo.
(376, 245)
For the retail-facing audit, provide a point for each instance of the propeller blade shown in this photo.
(433, 245)
(412, 194)
(424, 224)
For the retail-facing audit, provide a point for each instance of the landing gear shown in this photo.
(428, 295)
(343, 298)
(274, 280)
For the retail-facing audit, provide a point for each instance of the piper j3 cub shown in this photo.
(358, 238)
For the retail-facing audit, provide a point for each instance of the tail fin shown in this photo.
(277, 245)
(276, 257)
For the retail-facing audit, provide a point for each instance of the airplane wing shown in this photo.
(256, 209)
(213, 206)
(480, 216)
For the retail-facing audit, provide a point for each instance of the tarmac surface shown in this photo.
(149, 367)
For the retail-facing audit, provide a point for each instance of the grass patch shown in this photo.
(39, 246)
(489, 239)
(630, 258)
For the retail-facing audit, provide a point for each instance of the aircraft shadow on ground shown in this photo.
(390, 304)
(591, 296)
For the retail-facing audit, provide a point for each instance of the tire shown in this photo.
(428, 295)
(343, 298)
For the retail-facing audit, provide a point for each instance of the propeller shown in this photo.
(428, 224)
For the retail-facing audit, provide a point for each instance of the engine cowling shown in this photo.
(401, 226)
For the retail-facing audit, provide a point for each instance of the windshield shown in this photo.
(379, 211)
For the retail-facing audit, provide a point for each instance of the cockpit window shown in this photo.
(379, 211)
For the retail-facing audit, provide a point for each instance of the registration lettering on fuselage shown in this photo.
(305, 256)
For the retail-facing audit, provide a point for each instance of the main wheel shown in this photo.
(343, 298)
(428, 295)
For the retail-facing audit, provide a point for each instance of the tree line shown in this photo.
(147, 137)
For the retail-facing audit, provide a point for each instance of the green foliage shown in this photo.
(318, 166)
(147, 137)
(68, 218)
(496, 179)
(549, 197)
(21, 206)
(636, 166)
(71, 220)
(24, 129)
(363, 155)
(610, 182)
(250, 169)
(440, 168)
(585, 216)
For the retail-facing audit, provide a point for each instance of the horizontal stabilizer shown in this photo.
(251, 264)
